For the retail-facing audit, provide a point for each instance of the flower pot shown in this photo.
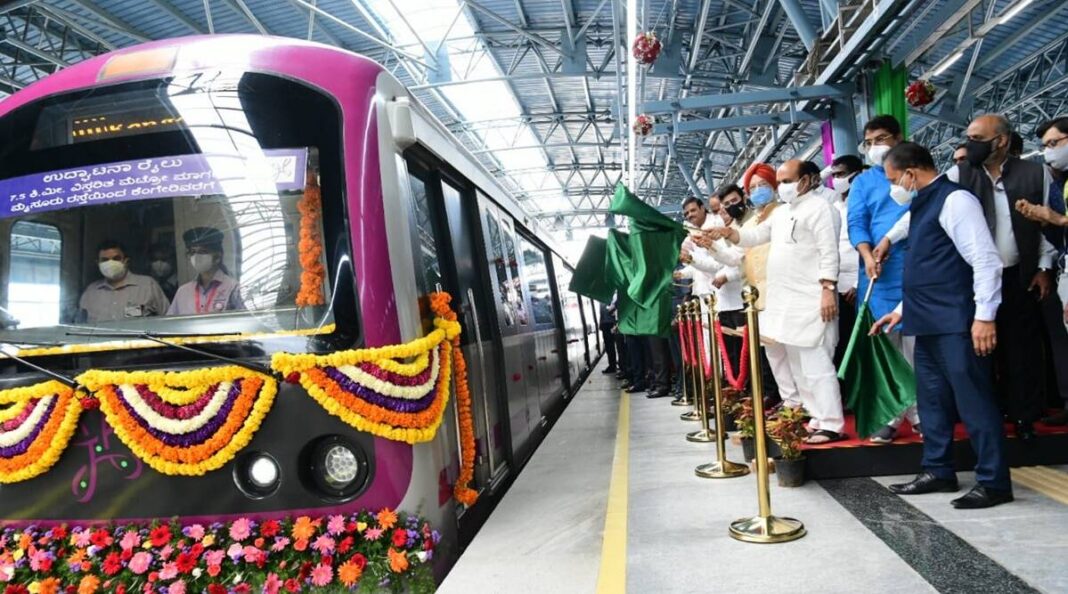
(729, 424)
(774, 451)
(791, 473)
(748, 448)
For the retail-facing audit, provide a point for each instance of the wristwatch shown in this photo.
(829, 285)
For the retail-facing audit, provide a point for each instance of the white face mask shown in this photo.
(161, 268)
(901, 195)
(788, 192)
(1057, 157)
(841, 184)
(112, 269)
(877, 153)
(202, 262)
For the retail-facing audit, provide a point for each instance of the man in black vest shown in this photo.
(951, 290)
(1000, 180)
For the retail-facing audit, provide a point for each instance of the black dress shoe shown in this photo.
(635, 389)
(925, 482)
(1025, 431)
(608, 370)
(661, 393)
(980, 497)
(620, 375)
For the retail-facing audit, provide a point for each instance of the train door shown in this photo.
(450, 265)
(512, 320)
(547, 338)
(478, 341)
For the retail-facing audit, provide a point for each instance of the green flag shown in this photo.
(637, 265)
(889, 93)
(880, 383)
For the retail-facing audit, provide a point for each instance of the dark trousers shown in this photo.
(676, 360)
(952, 380)
(771, 387)
(847, 317)
(636, 367)
(660, 357)
(1056, 351)
(621, 353)
(1019, 350)
(609, 345)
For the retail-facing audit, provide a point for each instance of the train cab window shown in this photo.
(428, 267)
(33, 287)
(204, 203)
(541, 304)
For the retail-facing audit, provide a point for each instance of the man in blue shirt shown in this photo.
(870, 214)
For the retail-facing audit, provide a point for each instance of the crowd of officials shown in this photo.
(959, 265)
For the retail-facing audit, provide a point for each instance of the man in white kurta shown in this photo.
(802, 294)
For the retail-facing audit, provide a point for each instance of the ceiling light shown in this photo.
(1015, 10)
(947, 63)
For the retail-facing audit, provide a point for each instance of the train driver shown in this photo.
(121, 293)
(213, 290)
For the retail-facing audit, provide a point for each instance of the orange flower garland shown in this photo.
(54, 435)
(439, 303)
(310, 207)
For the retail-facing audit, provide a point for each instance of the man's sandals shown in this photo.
(823, 436)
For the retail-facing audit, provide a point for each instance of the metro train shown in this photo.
(143, 146)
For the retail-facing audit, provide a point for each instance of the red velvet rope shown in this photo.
(707, 361)
(736, 381)
(682, 340)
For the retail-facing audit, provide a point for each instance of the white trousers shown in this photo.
(907, 346)
(784, 377)
(817, 381)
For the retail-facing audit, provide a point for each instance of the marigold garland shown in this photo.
(46, 420)
(312, 273)
(439, 304)
(184, 422)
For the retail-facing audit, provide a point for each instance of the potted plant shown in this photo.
(742, 411)
(788, 431)
(729, 397)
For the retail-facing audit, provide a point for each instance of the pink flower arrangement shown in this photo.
(334, 553)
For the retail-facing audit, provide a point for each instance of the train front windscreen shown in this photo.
(203, 203)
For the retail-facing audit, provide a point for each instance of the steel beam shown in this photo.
(746, 121)
(708, 102)
(799, 20)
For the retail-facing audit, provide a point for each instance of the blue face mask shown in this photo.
(761, 196)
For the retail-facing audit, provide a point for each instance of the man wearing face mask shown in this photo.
(120, 294)
(212, 291)
(843, 171)
(161, 266)
(871, 214)
(1001, 181)
(802, 304)
(952, 289)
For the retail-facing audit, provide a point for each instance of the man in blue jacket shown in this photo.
(952, 290)
(870, 214)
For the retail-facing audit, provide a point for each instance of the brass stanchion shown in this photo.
(764, 528)
(722, 467)
(687, 393)
(695, 355)
(705, 433)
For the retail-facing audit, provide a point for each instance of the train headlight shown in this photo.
(335, 467)
(257, 474)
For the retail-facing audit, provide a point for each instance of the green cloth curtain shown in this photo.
(880, 383)
(889, 86)
(637, 266)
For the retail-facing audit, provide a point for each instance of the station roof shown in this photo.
(531, 86)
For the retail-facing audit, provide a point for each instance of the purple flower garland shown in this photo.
(195, 437)
(21, 447)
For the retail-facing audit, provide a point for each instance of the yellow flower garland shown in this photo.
(161, 382)
(70, 409)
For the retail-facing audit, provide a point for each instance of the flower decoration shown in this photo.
(206, 559)
(920, 93)
(310, 247)
(643, 125)
(735, 378)
(439, 304)
(36, 424)
(187, 422)
(646, 48)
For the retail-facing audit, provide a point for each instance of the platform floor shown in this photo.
(609, 503)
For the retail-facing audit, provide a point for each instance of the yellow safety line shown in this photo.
(1050, 482)
(612, 578)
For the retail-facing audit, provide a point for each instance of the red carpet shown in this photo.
(906, 435)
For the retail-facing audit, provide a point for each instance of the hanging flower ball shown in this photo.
(643, 125)
(646, 48)
(920, 93)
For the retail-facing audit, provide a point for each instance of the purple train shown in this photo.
(159, 150)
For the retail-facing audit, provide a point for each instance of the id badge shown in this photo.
(134, 311)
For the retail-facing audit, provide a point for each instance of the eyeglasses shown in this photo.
(1054, 142)
(870, 142)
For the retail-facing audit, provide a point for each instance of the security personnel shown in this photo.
(212, 291)
(951, 290)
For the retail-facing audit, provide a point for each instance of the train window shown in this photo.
(428, 268)
(537, 275)
(33, 287)
(515, 286)
(228, 218)
(499, 267)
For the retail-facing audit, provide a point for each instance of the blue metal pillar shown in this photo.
(800, 22)
(844, 126)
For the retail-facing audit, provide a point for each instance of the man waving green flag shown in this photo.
(638, 265)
